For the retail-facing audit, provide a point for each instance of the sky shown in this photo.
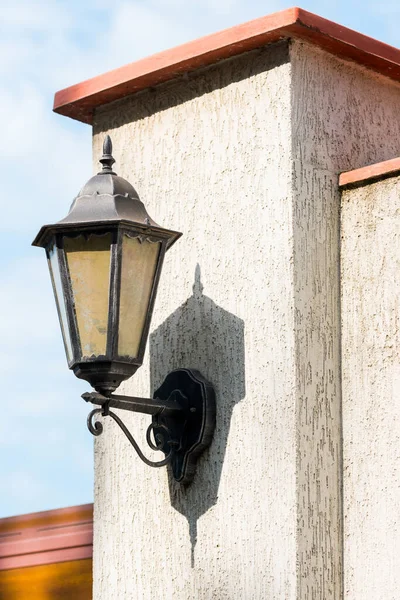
(47, 45)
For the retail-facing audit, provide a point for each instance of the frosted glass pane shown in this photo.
(139, 261)
(88, 262)
(55, 275)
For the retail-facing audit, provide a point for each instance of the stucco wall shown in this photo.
(243, 157)
(343, 117)
(210, 156)
(371, 389)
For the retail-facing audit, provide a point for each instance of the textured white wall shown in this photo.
(371, 389)
(210, 156)
(343, 117)
(243, 157)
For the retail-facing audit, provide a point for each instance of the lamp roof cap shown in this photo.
(106, 199)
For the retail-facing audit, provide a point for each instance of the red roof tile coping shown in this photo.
(368, 174)
(47, 537)
(80, 101)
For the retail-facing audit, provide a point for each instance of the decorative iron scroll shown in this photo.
(96, 428)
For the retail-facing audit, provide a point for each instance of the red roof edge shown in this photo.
(47, 537)
(371, 173)
(80, 101)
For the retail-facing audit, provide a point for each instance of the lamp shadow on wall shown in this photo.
(202, 335)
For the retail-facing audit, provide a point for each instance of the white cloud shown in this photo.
(33, 15)
(138, 30)
(27, 305)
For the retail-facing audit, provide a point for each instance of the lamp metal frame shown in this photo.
(183, 407)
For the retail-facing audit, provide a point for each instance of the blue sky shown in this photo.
(47, 45)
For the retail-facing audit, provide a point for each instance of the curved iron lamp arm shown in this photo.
(96, 428)
(183, 411)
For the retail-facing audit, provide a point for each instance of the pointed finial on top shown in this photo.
(107, 160)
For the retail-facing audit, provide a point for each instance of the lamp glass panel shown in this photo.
(88, 259)
(55, 275)
(138, 268)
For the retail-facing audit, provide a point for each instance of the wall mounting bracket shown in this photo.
(183, 420)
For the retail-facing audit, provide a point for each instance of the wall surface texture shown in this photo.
(371, 389)
(211, 157)
(343, 117)
(243, 157)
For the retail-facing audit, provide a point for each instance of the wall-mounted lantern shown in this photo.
(105, 261)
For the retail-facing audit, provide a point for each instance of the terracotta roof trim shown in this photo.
(54, 516)
(80, 101)
(369, 174)
(48, 537)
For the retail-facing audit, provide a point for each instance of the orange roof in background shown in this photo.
(42, 538)
(79, 101)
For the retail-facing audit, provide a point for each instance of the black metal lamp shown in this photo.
(105, 260)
